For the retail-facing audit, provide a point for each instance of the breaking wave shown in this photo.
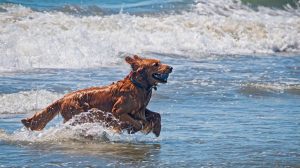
(263, 89)
(53, 39)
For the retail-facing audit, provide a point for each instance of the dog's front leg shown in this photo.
(121, 109)
(154, 119)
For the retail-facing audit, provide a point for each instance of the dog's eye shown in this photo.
(155, 64)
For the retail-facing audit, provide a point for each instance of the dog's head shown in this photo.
(154, 71)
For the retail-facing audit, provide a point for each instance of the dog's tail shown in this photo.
(40, 119)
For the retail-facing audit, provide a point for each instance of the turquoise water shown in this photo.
(105, 7)
(232, 100)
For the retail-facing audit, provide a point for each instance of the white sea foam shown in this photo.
(30, 39)
(61, 133)
(27, 101)
(65, 133)
(71, 131)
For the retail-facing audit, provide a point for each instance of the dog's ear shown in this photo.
(136, 57)
(132, 63)
(129, 60)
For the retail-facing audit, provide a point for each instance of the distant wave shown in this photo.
(265, 89)
(31, 39)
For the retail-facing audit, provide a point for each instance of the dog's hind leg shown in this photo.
(40, 119)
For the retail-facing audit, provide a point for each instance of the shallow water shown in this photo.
(237, 111)
(231, 101)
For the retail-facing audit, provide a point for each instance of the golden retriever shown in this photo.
(125, 100)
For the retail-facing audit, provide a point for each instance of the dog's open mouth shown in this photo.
(161, 77)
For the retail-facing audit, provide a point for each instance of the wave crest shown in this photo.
(259, 89)
(31, 39)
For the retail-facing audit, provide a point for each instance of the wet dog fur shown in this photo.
(125, 100)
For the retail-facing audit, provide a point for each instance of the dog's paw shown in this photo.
(26, 123)
(117, 130)
(156, 130)
(147, 127)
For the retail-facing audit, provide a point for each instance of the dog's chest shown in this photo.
(147, 98)
(142, 103)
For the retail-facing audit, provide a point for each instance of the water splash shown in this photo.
(74, 131)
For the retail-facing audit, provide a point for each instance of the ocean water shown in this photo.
(233, 99)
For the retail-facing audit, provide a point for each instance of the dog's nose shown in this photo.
(170, 68)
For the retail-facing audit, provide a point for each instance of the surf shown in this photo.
(33, 39)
